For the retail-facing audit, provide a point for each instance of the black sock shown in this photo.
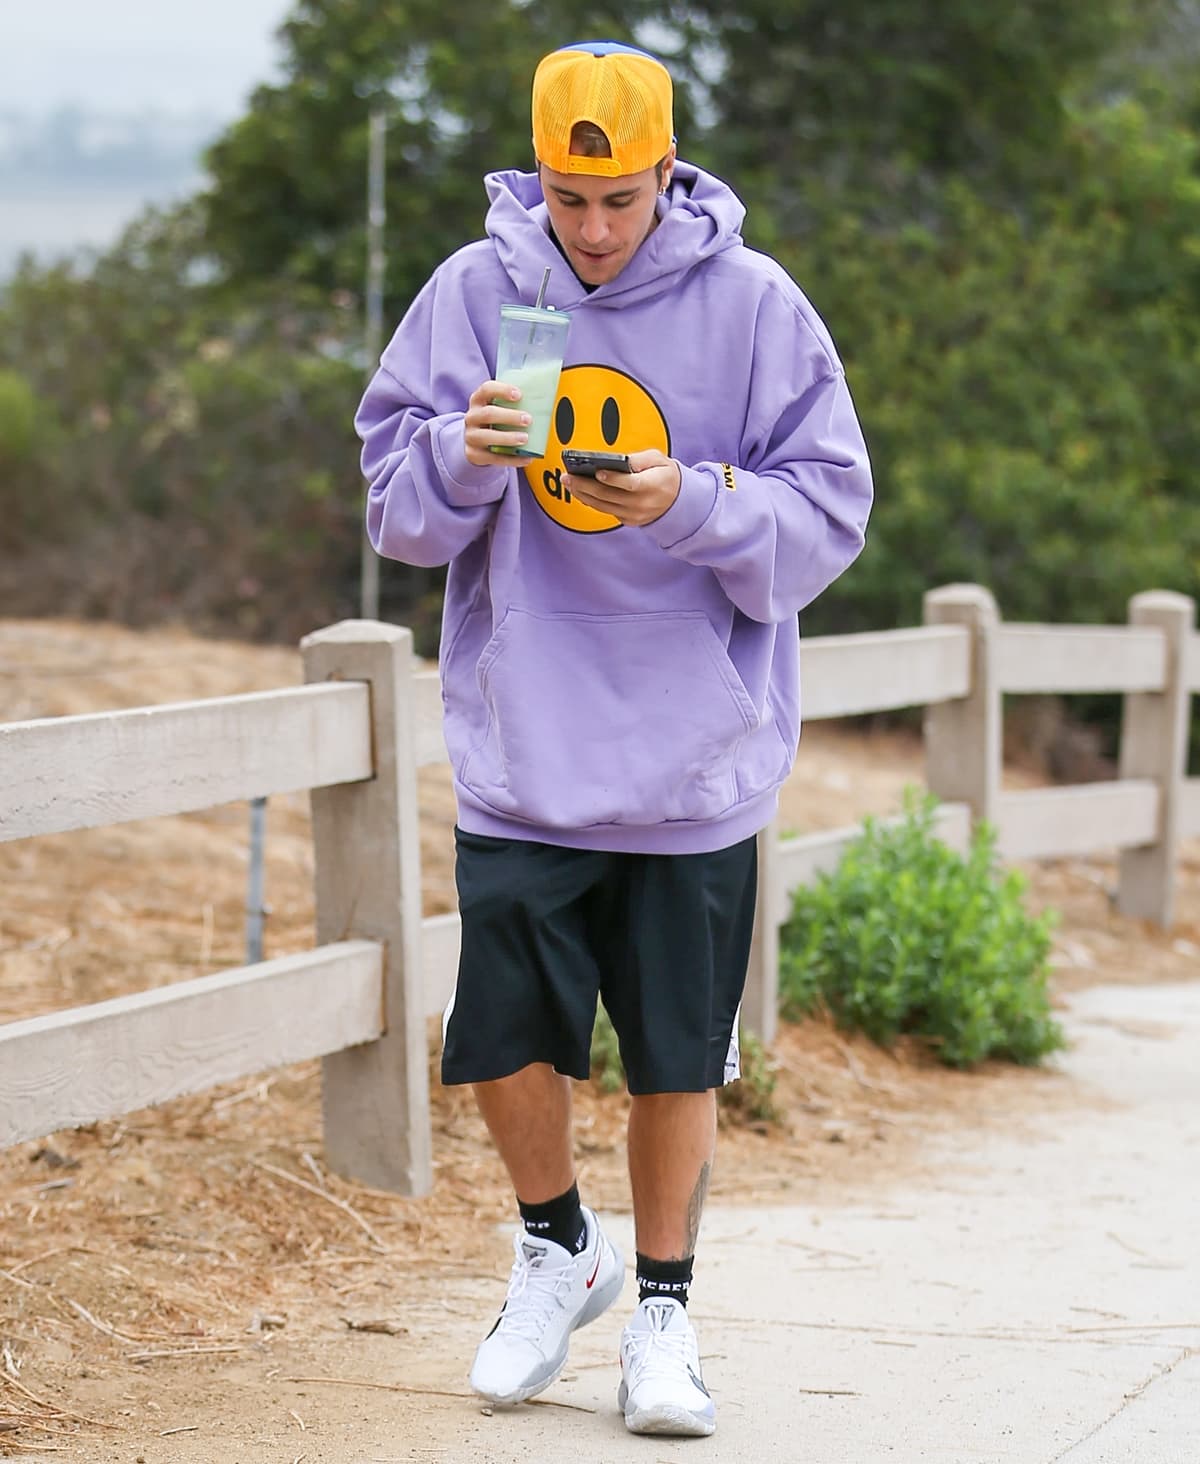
(560, 1220)
(664, 1278)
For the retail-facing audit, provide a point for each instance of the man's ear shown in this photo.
(668, 168)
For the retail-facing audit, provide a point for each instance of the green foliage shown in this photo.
(1025, 393)
(18, 419)
(607, 1069)
(204, 463)
(881, 102)
(906, 936)
(30, 489)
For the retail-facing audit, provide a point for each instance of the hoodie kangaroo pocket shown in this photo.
(616, 719)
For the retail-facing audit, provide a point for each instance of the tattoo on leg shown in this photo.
(695, 1206)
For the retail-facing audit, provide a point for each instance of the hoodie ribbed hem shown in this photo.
(681, 837)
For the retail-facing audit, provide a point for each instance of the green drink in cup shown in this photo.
(529, 356)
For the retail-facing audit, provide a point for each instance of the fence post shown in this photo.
(760, 1002)
(1154, 744)
(963, 737)
(366, 843)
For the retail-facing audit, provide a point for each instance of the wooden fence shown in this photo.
(356, 734)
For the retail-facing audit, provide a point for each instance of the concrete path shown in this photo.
(1041, 1304)
(1038, 1302)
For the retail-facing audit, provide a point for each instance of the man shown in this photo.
(620, 670)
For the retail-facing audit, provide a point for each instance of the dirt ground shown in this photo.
(143, 1259)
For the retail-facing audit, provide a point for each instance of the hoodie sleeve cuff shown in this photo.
(697, 495)
(466, 484)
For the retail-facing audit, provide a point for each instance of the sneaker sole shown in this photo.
(530, 1390)
(665, 1419)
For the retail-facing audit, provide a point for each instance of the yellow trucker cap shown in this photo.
(623, 91)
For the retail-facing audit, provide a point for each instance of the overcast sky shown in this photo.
(124, 55)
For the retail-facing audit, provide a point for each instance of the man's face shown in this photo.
(600, 222)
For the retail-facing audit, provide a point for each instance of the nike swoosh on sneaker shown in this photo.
(596, 1271)
(699, 1382)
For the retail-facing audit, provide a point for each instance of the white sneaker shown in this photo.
(550, 1294)
(662, 1391)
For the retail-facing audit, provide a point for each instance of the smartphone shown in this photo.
(588, 464)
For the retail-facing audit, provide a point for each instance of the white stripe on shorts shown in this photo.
(448, 1012)
(733, 1057)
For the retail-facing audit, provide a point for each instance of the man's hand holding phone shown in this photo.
(636, 497)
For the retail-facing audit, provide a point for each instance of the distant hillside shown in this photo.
(73, 178)
(74, 144)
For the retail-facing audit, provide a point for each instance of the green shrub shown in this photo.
(607, 1069)
(18, 418)
(907, 936)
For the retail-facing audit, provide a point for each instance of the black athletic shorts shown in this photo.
(664, 939)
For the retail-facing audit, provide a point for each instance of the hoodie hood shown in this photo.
(699, 217)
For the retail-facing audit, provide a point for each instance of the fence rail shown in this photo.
(881, 671)
(112, 1057)
(1056, 823)
(112, 767)
(356, 734)
(1078, 658)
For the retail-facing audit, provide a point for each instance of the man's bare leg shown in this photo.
(553, 1291)
(672, 1141)
(529, 1118)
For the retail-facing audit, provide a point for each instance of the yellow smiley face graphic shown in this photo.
(599, 409)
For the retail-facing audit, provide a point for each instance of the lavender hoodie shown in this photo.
(606, 686)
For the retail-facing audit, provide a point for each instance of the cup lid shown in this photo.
(535, 314)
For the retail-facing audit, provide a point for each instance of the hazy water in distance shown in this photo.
(50, 221)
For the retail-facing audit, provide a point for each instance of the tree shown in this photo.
(193, 456)
(1025, 392)
(885, 99)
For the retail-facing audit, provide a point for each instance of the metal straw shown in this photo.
(537, 305)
